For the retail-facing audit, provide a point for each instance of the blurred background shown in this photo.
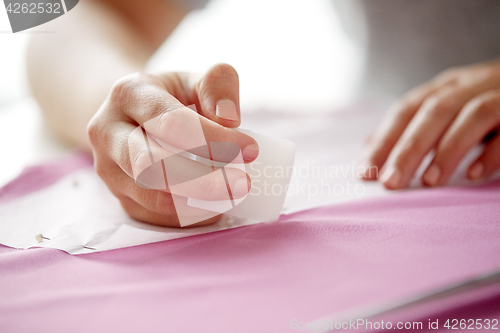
(291, 55)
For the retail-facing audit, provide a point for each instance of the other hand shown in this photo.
(450, 115)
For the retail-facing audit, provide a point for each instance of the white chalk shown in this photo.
(270, 175)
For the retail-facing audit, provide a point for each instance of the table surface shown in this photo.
(264, 277)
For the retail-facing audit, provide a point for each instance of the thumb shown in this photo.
(218, 95)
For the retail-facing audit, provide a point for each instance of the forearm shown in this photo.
(72, 70)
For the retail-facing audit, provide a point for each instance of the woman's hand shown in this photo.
(450, 114)
(138, 99)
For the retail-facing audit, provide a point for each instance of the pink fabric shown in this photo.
(37, 177)
(258, 278)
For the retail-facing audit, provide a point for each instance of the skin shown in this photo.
(81, 78)
(448, 115)
(102, 43)
(138, 98)
(71, 71)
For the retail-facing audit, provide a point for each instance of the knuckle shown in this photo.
(410, 146)
(141, 156)
(450, 74)
(439, 106)
(127, 86)
(166, 120)
(93, 130)
(453, 143)
(482, 73)
(96, 124)
(406, 111)
(484, 109)
(134, 156)
(405, 108)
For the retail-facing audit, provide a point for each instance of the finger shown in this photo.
(218, 95)
(152, 206)
(143, 99)
(155, 168)
(215, 92)
(399, 116)
(479, 117)
(121, 185)
(422, 134)
(140, 213)
(488, 162)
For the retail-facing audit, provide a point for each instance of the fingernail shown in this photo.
(391, 178)
(476, 171)
(226, 109)
(241, 187)
(431, 176)
(250, 152)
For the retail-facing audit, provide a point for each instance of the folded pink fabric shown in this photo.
(265, 277)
